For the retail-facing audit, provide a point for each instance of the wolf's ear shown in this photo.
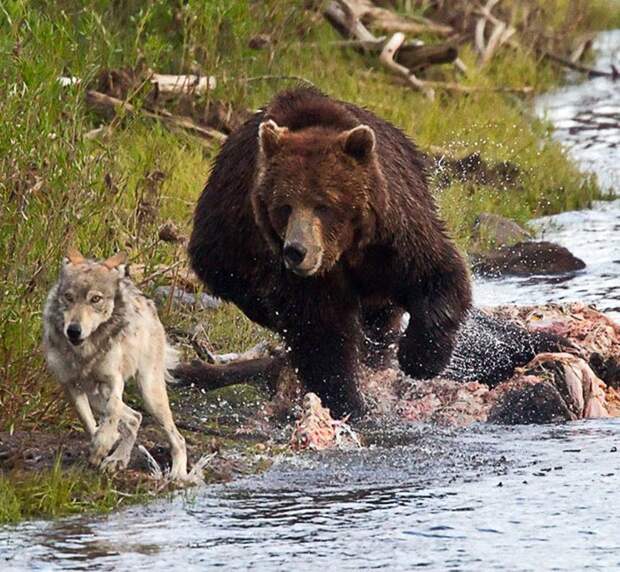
(116, 262)
(74, 256)
(270, 137)
(358, 142)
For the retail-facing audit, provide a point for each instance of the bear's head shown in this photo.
(316, 192)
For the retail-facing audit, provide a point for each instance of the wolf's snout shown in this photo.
(74, 333)
(294, 254)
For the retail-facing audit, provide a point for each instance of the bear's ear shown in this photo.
(358, 142)
(270, 137)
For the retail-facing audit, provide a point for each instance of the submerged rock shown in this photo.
(526, 259)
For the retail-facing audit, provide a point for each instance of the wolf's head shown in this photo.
(86, 293)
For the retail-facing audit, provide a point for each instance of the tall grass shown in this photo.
(57, 492)
(58, 188)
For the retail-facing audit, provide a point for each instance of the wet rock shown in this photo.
(531, 403)
(496, 230)
(526, 259)
(474, 169)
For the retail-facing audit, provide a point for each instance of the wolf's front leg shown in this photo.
(128, 429)
(112, 410)
(79, 398)
(153, 388)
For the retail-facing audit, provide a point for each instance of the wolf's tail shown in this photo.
(172, 362)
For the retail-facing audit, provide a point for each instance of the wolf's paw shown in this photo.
(103, 442)
(112, 466)
(115, 462)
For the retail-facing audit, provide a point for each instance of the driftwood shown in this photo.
(387, 59)
(101, 101)
(178, 84)
(366, 12)
(500, 35)
(165, 83)
(412, 55)
(614, 73)
(570, 63)
(346, 21)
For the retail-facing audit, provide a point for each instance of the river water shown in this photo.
(483, 498)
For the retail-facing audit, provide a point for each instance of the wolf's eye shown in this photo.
(68, 297)
(96, 299)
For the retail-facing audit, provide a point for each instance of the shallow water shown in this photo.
(587, 121)
(492, 498)
(485, 498)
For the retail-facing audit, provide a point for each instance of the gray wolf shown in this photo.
(100, 331)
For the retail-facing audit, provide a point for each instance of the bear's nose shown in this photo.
(74, 332)
(294, 253)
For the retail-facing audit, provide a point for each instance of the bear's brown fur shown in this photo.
(318, 223)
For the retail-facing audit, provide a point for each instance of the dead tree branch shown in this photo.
(105, 102)
(387, 59)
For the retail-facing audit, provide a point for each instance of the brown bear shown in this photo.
(318, 223)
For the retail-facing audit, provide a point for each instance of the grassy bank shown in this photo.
(114, 191)
(57, 492)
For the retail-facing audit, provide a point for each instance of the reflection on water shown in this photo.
(485, 498)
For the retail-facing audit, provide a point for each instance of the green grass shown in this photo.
(57, 492)
(57, 188)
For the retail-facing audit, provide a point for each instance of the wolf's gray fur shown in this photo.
(99, 331)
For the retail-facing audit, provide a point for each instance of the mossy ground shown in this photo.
(59, 188)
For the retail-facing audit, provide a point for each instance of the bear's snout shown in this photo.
(294, 254)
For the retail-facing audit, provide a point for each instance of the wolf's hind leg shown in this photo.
(153, 388)
(128, 428)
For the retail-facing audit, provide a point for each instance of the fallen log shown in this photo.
(344, 19)
(569, 63)
(178, 84)
(387, 59)
(383, 19)
(412, 55)
(101, 101)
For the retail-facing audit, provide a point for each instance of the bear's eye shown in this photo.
(284, 211)
(96, 299)
(321, 209)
